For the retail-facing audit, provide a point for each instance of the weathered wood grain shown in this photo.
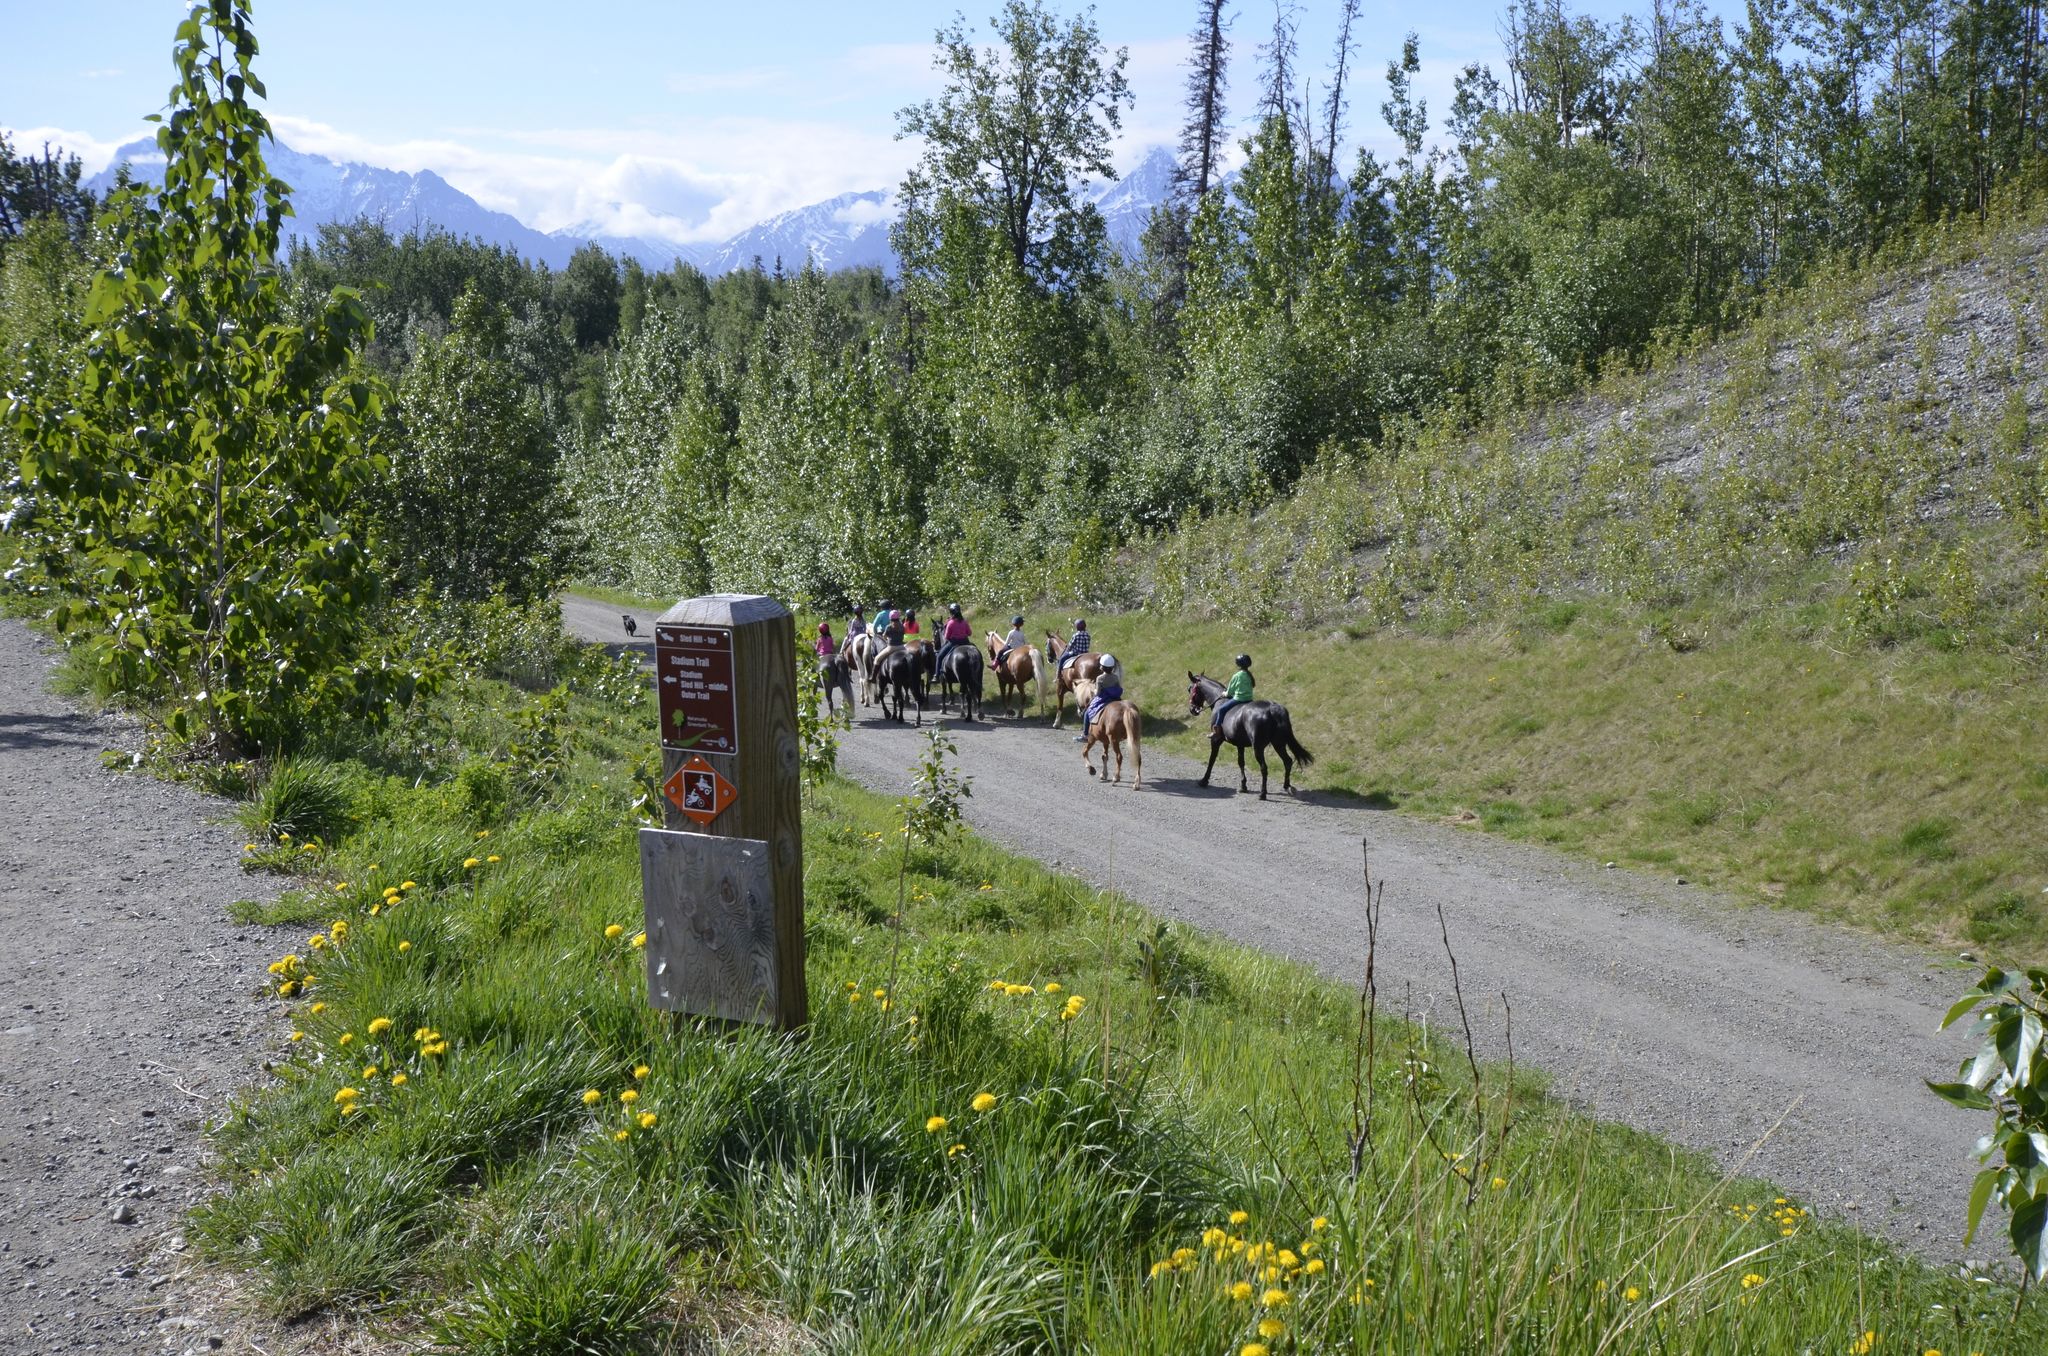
(765, 773)
(711, 943)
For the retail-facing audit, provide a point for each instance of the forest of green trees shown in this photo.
(1024, 399)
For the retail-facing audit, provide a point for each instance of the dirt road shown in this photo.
(1663, 1006)
(131, 1010)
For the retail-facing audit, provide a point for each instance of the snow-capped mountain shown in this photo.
(1127, 204)
(325, 191)
(849, 231)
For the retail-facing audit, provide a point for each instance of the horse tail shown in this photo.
(1038, 675)
(1295, 746)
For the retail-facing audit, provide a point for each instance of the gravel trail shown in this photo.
(1787, 1048)
(129, 1011)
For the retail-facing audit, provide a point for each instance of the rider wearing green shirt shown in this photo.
(1236, 692)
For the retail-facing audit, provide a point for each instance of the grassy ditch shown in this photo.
(1894, 789)
(1029, 1119)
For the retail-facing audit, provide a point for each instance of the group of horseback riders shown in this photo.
(889, 652)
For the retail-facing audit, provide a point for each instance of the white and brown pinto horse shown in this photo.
(860, 655)
(1020, 671)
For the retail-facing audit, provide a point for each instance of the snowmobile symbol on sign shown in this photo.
(698, 791)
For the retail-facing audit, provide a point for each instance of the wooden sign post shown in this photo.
(723, 883)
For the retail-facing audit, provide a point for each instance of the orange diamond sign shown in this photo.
(698, 791)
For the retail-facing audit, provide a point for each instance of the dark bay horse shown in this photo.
(902, 669)
(963, 670)
(1257, 726)
(835, 675)
(1066, 675)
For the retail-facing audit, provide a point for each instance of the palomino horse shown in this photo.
(1115, 725)
(1019, 672)
(860, 655)
(1254, 725)
(1066, 675)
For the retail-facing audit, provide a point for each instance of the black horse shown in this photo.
(1254, 725)
(963, 670)
(903, 670)
(835, 676)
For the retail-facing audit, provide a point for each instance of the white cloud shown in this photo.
(693, 180)
(93, 153)
(868, 211)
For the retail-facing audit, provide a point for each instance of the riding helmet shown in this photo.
(1017, 622)
(824, 628)
(953, 609)
(1080, 624)
(1108, 662)
(1244, 661)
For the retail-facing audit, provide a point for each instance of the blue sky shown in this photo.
(685, 119)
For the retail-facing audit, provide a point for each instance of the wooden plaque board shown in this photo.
(710, 906)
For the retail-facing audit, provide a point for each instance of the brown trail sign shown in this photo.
(723, 882)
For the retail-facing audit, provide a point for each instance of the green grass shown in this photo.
(1894, 789)
(618, 597)
(796, 1184)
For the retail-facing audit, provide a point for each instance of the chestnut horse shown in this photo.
(1019, 672)
(1065, 676)
(1115, 725)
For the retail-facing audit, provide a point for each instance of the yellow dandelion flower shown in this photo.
(1314, 1266)
(288, 988)
(1862, 1345)
(1053, 987)
(379, 1025)
(1157, 1268)
(344, 1095)
(639, 939)
(405, 946)
(1272, 1329)
(953, 1150)
(629, 1096)
(348, 1108)
(340, 929)
(437, 1048)
(408, 885)
(621, 1136)
(613, 931)
(1241, 1292)
(341, 887)
(1238, 1217)
(1631, 1294)
(317, 1009)
(494, 857)
(1752, 1281)
(640, 1071)
(1288, 1259)
(934, 1124)
(1254, 1349)
(284, 838)
(298, 1035)
(317, 940)
(647, 1120)
(880, 993)
(471, 863)
(347, 1038)
(591, 1097)
(984, 1101)
(398, 1080)
(1275, 1298)
(369, 1072)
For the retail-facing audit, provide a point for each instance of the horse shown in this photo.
(963, 670)
(1019, 672)
(1116, 724)
(835, 675)
(902, 669)
(1254, 725)
(1066, 675)
(860, 655)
